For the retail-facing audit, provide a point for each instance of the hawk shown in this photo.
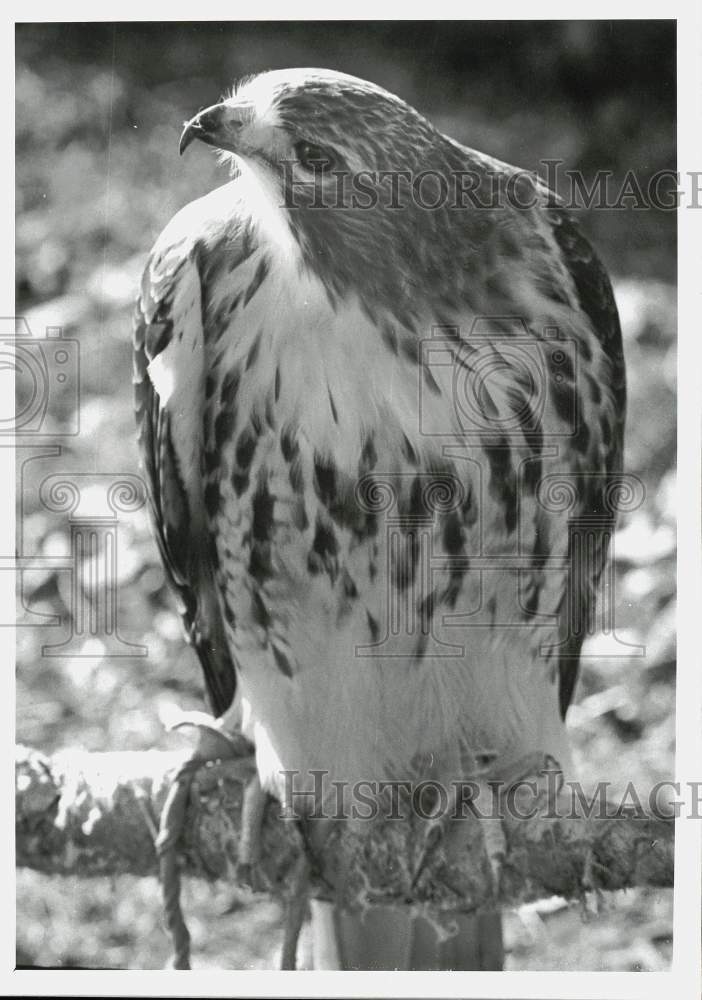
(378, 374)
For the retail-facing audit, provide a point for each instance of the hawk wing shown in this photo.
(168, 388)
(596, 298)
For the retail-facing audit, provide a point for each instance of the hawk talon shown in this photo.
(248, 877)
(495, 842)
(213, 743)
(431, 841)
(312, 853)
(244, 875)
(295, 912)
(253, 806)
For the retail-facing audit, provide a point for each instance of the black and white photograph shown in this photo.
(353, 426)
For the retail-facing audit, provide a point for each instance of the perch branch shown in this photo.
(97, 814)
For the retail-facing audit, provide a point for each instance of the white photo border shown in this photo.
(683, 980)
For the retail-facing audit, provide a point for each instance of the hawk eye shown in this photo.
(314, 158)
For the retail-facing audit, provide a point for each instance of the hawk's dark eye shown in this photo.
(314, 158)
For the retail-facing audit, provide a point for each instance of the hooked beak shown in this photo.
(216, 126)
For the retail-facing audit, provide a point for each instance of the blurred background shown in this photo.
(99, 109)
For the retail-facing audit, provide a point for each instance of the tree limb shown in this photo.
(97, 814)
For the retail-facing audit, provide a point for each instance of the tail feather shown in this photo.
(385, 938)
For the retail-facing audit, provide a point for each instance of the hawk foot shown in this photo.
(212, 743)
(247, 872)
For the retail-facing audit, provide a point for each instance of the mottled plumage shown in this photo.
(285, 380)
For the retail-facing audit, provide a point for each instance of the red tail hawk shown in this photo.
(365, 367)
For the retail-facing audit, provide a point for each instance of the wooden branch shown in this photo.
(97, 814)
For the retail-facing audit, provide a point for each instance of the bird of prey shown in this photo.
(379, 376)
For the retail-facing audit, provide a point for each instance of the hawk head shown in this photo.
(317, 121)
(360, 180)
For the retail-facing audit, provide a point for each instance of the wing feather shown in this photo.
(168, 342)
(596, 298)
